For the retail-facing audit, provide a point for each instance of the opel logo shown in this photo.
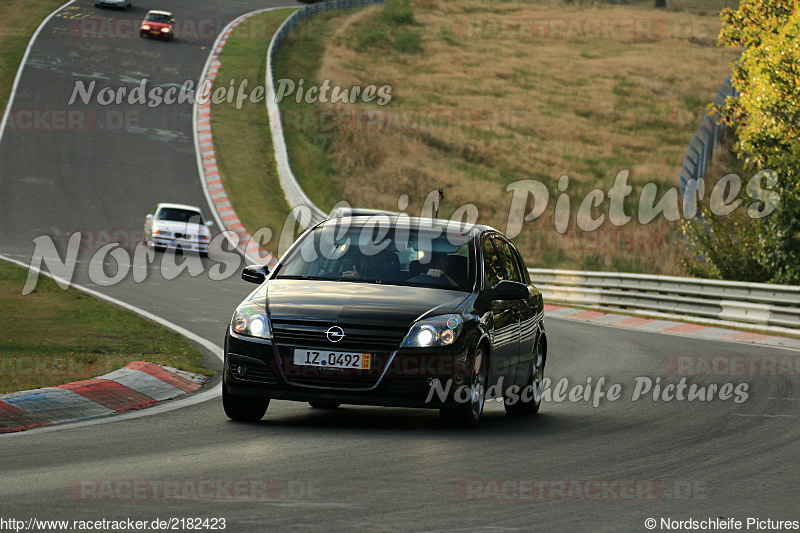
(335, 334)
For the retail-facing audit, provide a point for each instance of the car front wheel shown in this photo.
(243, 408)
(469, 413)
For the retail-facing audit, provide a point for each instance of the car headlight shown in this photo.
(145, 26)
(162, 233)
(251, 319)
(165, 30)
(435, 331)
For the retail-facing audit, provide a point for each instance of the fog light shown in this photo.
(240, 371)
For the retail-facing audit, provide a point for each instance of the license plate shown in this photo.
(323, 358)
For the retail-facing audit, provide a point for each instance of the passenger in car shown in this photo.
(436, 270)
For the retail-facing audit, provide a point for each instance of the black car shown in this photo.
(390, 311)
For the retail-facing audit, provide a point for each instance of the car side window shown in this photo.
(526, 276)
(492, 264)
(510, 261)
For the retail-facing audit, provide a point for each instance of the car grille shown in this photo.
(368, 339)
(381, 342)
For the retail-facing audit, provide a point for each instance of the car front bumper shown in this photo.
(183, 244)
(156, 33)
(406, 381)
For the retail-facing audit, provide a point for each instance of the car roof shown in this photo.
(179, 206)
(157, 12)
(397, 220)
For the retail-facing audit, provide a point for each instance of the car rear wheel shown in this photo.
(530, 397)
(322, 404)
(469, 413)
(243, 408)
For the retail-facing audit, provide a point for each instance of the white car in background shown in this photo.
(177, 225)
(122, 4)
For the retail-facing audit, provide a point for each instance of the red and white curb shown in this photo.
(669, 327)
(140, 384)
(212, 183)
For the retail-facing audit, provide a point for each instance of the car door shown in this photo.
(505, 317)
(526, 309)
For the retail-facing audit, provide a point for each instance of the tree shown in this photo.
(766, 117)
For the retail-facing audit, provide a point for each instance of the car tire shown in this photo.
(323, 404)
(533, 383)
(243, 408)
(469, 414)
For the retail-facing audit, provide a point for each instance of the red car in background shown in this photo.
(158, 24)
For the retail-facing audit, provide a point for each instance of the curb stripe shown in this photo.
(109, 394)
(683, 329)
(15, 419)
(52, 404)
(140, 384)
(205, 149)
(167, 377)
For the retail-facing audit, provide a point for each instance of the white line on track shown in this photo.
(767, 416)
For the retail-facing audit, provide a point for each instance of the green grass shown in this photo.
(51, 336)
(306, 142)
(18, 20)
(242, 141)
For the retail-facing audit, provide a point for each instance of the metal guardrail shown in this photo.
(750, 303)
(700, 152)
(304, 209)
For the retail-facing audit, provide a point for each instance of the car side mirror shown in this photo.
(209, 223)
(255, 273)
(510, 290)
(149, 216)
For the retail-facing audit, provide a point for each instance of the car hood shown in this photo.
(182, 227)
(156, 25)
(353, 302)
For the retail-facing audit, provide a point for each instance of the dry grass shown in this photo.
(525, 92)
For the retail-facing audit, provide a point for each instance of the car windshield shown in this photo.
(392, 255)
(179, 215)
(158, 17)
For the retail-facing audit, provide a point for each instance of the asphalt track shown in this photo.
(600, 469)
